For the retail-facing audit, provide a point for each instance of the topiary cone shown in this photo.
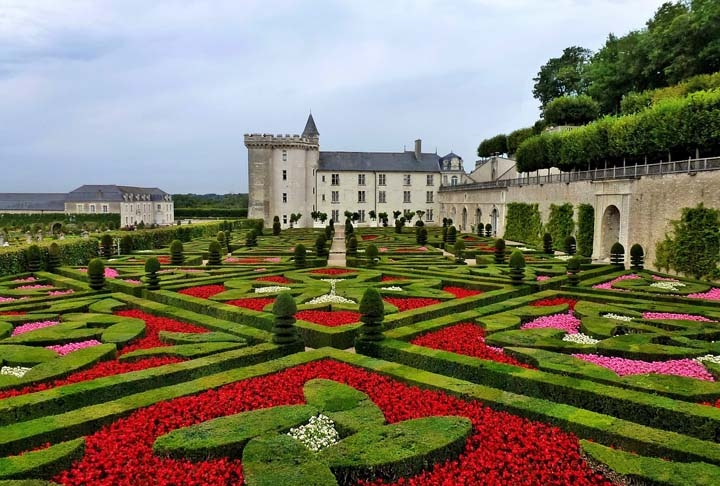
(53, 257)
(152, 265)
(372, 309)
(617, 254)
(214, 259)
(176, 253)
(34, 258)
(284, 330)
(637, 257)
(517, 267)
(499, 251)
(96, 274)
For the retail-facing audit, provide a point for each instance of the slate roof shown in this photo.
(32, 201)
(450, 156)
(310, 128)
(111, 193)
(378, 161)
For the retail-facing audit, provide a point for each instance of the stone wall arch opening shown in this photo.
(494, 221)
(478, 218)
(610, 229)
(464, 220)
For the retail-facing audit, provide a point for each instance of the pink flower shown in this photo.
(566, 322)
(609, 285)
(6, 299)
(272, 260)
(61, 292)
(31, 326)
(670, 315)
(542, 278)
(34, 287)
(109, 272)
(26, 279)
(132, 281)
(712, 294)
(622, 366)
(669, 279)
(63, 349)
(382, 249)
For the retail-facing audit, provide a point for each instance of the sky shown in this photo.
(160, 93)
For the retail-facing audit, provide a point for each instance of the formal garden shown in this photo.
(227, 352)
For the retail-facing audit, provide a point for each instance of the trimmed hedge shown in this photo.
(523, 223)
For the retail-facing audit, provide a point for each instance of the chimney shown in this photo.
(418, 149)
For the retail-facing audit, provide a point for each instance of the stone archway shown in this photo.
(464, 220)
(478, 217)
(610, 229)
(494, 221)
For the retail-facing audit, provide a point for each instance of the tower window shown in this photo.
(284, 173)
(284, 155)
(284, 197)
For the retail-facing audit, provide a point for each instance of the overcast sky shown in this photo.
(159, 93)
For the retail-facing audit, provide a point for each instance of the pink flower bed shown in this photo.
(6, 299)
(667, 279)
(566, 322)
(623, 367)
(109, 272)
(63, 349)
(609, 285)
(670, 315)
(61, 292)
(31, 326)
(712, 294)
(542, 278)
(26, 279)
(34, 287)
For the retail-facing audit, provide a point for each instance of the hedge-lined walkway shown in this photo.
(337, 250)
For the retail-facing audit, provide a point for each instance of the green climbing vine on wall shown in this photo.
(523, 223)
(560, 224)
(585, 230)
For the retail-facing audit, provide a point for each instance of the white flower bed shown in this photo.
(580, 338)
(522, 248)
(708, 357)
(617, 317)
(563, 257)
(318, 434)
(17, 371)
(330, 299)
(267, 290)
(671, 285)
(393, 287)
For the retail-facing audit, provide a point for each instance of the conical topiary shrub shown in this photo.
(421, 236)
(214, 258)
(573, 268)
(34, 258)
(480, 229)
(499, 251)
(372, 309)
(548, 244)
(228, 240)
(284, 330)
(106, 245)
(53, 257)
(617, 254)
(152, 266)
(637, 257)
(451, 235)
(300, 255)
(399, 226)
(460, 252)
(276, 226)
(488, 230)
(126, 244)
(96, 274)
(251, 238)
(176, 253)
(352, 246)
(517, 267)
(569, 245)
(328, 232)
(320, 243)
(372, 254)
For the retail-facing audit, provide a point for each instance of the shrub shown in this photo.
(284, 330)
(398, 226)
(569, 245)
(300, 255)
(421, 236)
(152, 266)
(352, 246)
(349, 229)
(517, 267)
(221, 238)
(34, 258)
(373, 313)
(560, 223)
(571, 110)
(573, 267)
(451, 235)
(585, 229)
(276, 226)
(480, 229)
(228, 238)
(637, 257)
(328, 232)
(320, 242)
(488, 230)
(96, 274)
(460, 252)
(106, 245)
(523, 222)
(259, 227)
(444, 234)
(53, 257)
(617, 254)
(176, 253)
(499, 251)
(548, 244)
(214, 258)
(371, 252)
(126, 245)
(251, 238)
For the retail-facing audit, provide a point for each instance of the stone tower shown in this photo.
(281, 174)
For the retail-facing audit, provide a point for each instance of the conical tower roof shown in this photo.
(311, 130)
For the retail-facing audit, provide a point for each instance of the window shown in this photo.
(361, 179)
(92, 208)
(284, 218)
(406, 196)
(362, 215)
(430, 180)
(406, 180)
(284, 155)
(323, 197)
(454, 181)
(336, 215)
(361, 196)
(335, 179)
(159, 208)
(284, 175)
(284, 197)
(80, 208)
(429, 215)
(323, 178)
(381, 197)
(381, 179)
(429, 197)
(105, 208)
(445, 180)
(335, 196)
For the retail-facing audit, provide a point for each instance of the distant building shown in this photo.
(32, 203)
(289, 174)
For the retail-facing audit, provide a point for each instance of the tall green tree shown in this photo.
(562, 76)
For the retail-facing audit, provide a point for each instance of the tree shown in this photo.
(571, 110)
(372, 214)
(562, 76)
(515, 138)
(491, 146)
(276, 228)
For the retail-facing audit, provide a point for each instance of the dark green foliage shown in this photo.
(372, 309)
(259, 227)
(421, 236)
(320, 243)
(548, 244)
(569, 245)
(352, 246)
(383, 217)
(53, 257)
(228, 238)
(585, 230)
(214, 255)
(349, 229)
(459, 251)
(34, 258)
(523, 223)
(617, 254)
(491, 146)
(562, 76)
(328, 232)
(499, 251)
(444, 234)
(251, 238)
(573, 267)
(560, 223)
(96, 274)
(399, 226)
(221, 238)
(284, 330)
(451, 235)
(372, 253)
(637, 257)
(571, 110)
(488, 230)
(106, 245)
(152, 266)
(300, 255)
(276, 227)
(126, 245)
(517, 137)
(480, 229)
(517, 267)
(176, 253)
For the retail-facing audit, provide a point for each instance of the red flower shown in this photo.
(164, 260)
(254, 304)
(274, 278)
(407, 303)
(330, 319)
(332, 271)
(555, 301)
(390, 278)
(369, 237)
(203, 291)
(460, 292)
(13, 313)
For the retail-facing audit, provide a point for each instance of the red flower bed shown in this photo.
(468, 339)
(407, 303)
(153, 326)
(460, 292)
(164, 260)
(274, 278)
(502, 449)
(332, 271)
(203, 291)
(13, 313)
(254, 304)
(390, 278)
(369, 237)
(555, 301)
(329, 318)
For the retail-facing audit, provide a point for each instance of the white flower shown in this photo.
(671, 285)
(330, 299)
(17, 371)
(317, 434)
(580, 338)
(266, 290)
(617, 317)
(708, 357)
(563, 257)
(393, 287)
